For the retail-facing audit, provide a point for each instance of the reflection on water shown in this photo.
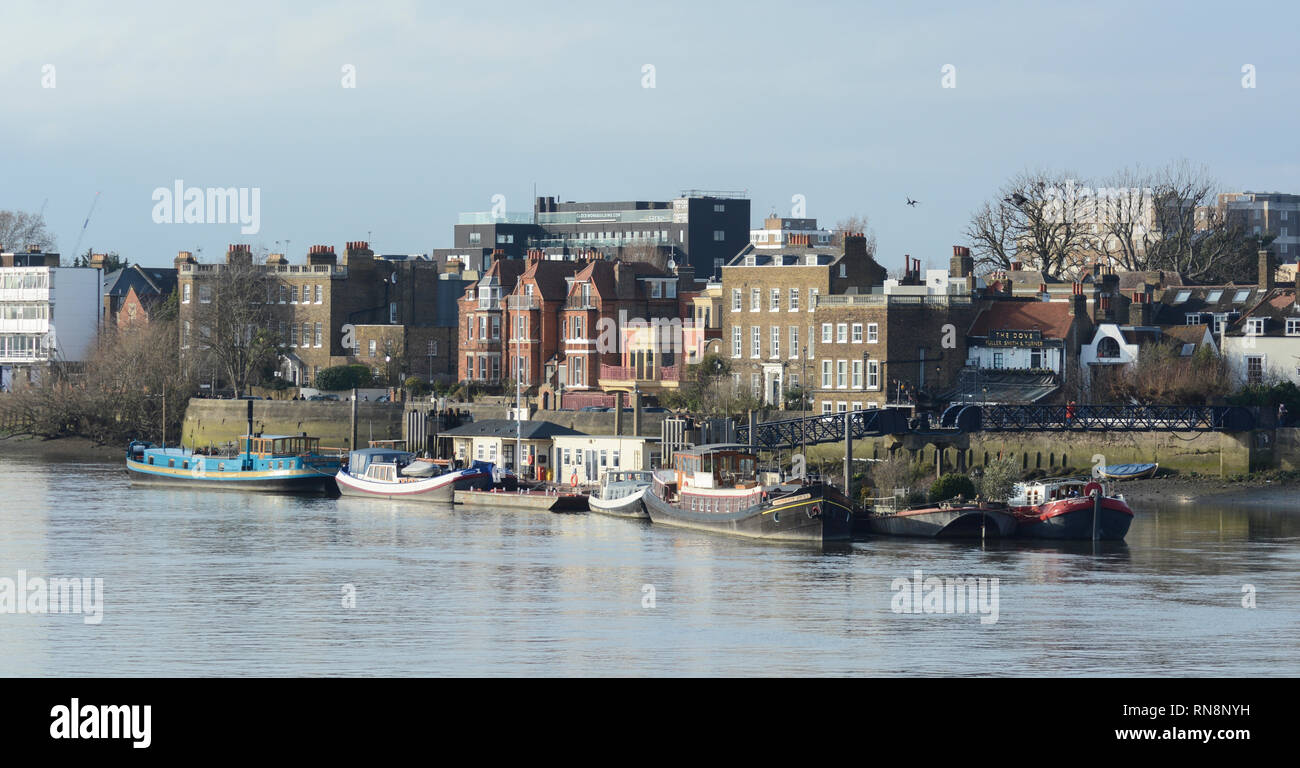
(230, 584)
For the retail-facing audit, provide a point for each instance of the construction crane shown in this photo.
(76, 249)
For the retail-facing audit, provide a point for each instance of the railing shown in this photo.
(1103, 418)
(522, 302)
(824, 428)
(579, 302)
(629, 373)
(880, 299)
(487, 217)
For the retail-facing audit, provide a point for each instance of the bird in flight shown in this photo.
(911, 202)
(1017, 199)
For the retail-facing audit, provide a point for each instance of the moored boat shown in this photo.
(1078, 509)
(266, 463)
(536, 500)
(943, 520)
(1127, 471)
(715, 488)
(621, 494)
(381, 473)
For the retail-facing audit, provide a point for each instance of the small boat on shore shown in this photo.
(381, 473)
(715, 488)
(1127, 471)
(1076, 509)
(265, 463)
(621, 494)
(947, 519)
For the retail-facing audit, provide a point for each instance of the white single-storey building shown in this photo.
(587, 457)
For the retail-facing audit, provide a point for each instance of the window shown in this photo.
(873, 333)
(754, 340)
(756, 384)
(776, 341)
(433, 347)
(735, 341)
(794, 299)
(855, 406)
(842, 333)
(753, 300)
(1182, 296)
(842, 406)
(812, 299)
(306, 334)
(857, 375)
(293, 336)
(496, 327)
(794, 341)
(205, 294)
(1241, 296)
(826, 333)
(826, 407)
(1193, 318)
(1255, 369)
(293, 294)
(284, 293)
(857, 333)
(185, 294)
(320, 292)
(475, 238)
(1214, 296)
(841, 374)
(1293, 326)
(1255, 326)
(735, 300)
(373, 347)
(873, 374)
(843, 273)
(719, 208)
(997, 360)
(719, 235)
(826, 374)
(1108, 348)
(776, 300)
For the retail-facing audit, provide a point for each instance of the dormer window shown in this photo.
(1182, 297)
(1293, 326)
(1241, 296)
(1255, 326)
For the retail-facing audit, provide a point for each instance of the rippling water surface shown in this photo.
(230, 584)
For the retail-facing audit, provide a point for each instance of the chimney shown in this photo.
(855, 246)
(97, 260)
(534, 254)
(276, 259)
(183, 257)
(321, 254)
(239, 253)
(1266, 270)
(357, 252)
(1078, 301)
(961, 265)
(1139, 310)
(685, 276)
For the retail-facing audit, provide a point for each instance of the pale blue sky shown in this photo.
(838, 101)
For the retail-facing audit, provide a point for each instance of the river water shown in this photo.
(226, 584)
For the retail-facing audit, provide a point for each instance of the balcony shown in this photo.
(580, 302)
(522, 302)
(625, 376)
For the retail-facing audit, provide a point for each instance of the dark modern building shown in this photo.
(701, 228)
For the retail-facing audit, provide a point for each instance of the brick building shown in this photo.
(394, 314)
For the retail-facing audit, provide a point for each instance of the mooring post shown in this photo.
(1096, 514)
(352, 446)
(848, 456)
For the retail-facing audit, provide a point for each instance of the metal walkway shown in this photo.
(958, 419)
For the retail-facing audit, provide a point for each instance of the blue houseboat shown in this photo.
(277, 463)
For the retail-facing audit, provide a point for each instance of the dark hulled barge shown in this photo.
(715, 488)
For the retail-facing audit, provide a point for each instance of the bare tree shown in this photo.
(992, 238)
(18, 230)
(232, 325)
(1031, 215)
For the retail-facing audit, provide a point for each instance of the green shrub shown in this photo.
(416, 386)
(950, 486)
(344, 377)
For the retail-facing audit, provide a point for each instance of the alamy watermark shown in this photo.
(959, 594)
(1097, 205)
(37, 595)
(209, 205)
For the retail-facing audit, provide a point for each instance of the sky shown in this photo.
(841, 102)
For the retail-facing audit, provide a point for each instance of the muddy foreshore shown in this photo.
(1189, 490)
(60, 449)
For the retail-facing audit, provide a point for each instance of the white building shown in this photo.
(47, 314)
(588, 457)
(778, 232)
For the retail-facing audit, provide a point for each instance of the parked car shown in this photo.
(594, 409)
(324, 397)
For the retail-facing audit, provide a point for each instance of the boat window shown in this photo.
(171, 462)
(150, 459)
(185, 465)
